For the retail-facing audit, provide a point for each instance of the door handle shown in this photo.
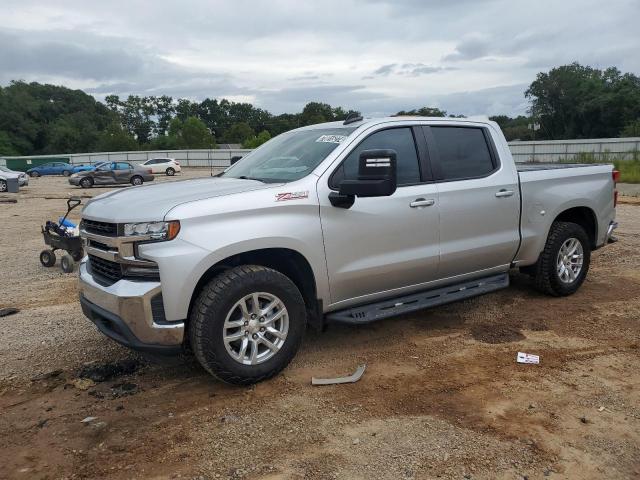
(422, 202)
(504, 193)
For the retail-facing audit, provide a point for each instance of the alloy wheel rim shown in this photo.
(569, 261)
(3, 186)
(255, 328)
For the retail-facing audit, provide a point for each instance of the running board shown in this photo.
(418, 301)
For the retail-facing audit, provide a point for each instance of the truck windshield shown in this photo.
(289, 156)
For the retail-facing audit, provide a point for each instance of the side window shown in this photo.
(398, 139)
(123, 166)
(463, 152)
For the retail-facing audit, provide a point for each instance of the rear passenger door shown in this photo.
(123, 172)
(479, 200)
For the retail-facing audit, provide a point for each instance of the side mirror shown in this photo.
(376, 178)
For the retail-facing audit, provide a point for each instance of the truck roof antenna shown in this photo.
(353, 117)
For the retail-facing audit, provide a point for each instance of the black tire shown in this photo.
(47, 258)
(545, 272)
(136, 180)
(77, 256)
(86, 182)
(171, 172)
(66, 173)
(3, 186)
(67, 264)
(217, 298)
(34, 174)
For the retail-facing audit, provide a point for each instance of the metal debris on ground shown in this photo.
(357, 375)
(527, 358)
(5, 312)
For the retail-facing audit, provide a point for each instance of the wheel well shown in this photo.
(584, 217)
(286, 261)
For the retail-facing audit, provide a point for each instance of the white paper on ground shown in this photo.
(527, 358)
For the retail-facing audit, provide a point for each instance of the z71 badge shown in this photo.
(281, 197)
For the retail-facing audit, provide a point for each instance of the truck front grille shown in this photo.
(105, 268)
(100, 228)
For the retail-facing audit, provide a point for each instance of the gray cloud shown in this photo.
(378, 56)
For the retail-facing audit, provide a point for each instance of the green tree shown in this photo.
(423, 112)
(238, 133)
(190, 133)
(6, 147)
(255, 142)
(631, 129)
(115, 139)
(576, 101)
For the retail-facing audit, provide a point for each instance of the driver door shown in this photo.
(382, 246)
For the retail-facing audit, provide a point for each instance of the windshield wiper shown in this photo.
(244, 177)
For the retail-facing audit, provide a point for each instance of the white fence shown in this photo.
(187, 158)
(600, 149)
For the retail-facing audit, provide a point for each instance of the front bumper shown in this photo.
(74, 180)
(128, 311)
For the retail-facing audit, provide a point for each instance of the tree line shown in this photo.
(571, 101)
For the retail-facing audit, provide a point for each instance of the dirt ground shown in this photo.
(442, 396)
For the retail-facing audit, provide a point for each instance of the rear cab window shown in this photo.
(461, 152)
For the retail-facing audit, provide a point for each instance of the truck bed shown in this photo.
(534, 166)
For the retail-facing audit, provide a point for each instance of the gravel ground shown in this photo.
(442, 396)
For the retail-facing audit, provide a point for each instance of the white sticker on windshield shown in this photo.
(331, 138)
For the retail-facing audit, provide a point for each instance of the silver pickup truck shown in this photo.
(350, 221)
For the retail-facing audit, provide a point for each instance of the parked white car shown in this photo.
(6, 173)
(163, 165)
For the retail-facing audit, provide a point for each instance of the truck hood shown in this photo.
(153, 202)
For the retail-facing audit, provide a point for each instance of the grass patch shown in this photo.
(629, 167)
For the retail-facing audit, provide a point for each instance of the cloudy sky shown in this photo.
(378, 56)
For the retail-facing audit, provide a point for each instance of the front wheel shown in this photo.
(564, 262)
(66, 263)
(3, 186)
(34, 174)
(137, 180)
(86, 182)
(247, 324)
(66, 173)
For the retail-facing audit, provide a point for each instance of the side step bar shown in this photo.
(418, 301)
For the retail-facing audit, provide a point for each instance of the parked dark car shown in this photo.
(51, 168)
(112, 174)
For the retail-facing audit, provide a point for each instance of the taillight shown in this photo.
(149, 171)
(177, 163)
(616, 176)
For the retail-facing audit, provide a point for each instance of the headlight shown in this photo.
(75, 175)
(155, 230)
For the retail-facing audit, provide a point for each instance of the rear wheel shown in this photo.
(3, 186)
(247, 324)
(66, 263)
(171, 172)
(77, 256)
(86, 182)
(564, 262)
(136, 180)
(47, 258)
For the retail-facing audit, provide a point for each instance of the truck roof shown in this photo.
(400, 118)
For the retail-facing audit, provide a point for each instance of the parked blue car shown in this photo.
(58, 168)
(52, 168)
